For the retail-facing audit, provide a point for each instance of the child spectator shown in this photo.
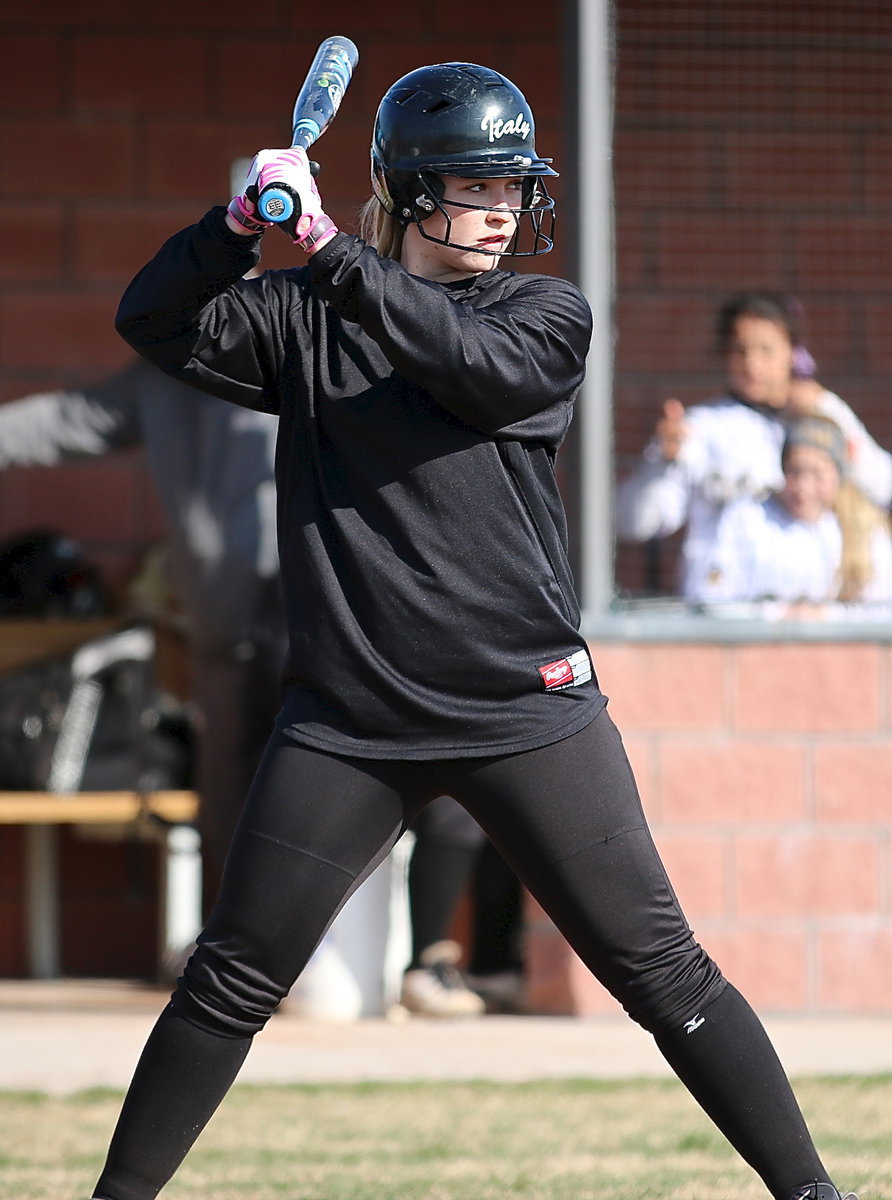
(813, 543)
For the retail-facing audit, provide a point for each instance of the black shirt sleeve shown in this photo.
(173, 315)
(495, 355)
(492, 364)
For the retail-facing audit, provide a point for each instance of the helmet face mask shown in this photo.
(459, 119)
(529, 237)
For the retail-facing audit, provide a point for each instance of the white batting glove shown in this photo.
(281, 182)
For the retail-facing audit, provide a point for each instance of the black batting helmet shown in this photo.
(457, 119)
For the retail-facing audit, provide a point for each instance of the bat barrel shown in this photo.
(317, 102)
(320, 97)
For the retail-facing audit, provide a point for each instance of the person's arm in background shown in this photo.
(653, 499)
(48, 428)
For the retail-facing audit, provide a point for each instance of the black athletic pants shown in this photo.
(568, 819)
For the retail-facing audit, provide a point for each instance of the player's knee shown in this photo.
(663, 995)
(225, 996)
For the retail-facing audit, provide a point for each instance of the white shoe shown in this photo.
(436, 988)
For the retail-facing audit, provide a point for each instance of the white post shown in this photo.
(181, 907)
(42, 900)
(595, 235)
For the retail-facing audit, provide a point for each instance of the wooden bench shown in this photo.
(167, 816)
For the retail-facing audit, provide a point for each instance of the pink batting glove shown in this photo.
(288, 175)
(242, 208)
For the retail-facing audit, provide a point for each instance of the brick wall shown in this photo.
(109, 905)
(752, 146)
(766, 772)
(752, 150)
(118, 125)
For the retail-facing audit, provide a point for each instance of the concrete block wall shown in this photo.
(766, 773)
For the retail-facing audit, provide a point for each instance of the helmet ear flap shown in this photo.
(380, 186)
(407, 195)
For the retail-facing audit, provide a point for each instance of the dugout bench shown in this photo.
(163, 816)
(166, 817)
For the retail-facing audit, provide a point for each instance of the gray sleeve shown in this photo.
(48, 428)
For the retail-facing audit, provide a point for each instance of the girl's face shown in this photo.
(490, 231)
(759, 361)
(811, 482)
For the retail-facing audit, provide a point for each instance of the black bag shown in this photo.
(45, 574)
(94, 720)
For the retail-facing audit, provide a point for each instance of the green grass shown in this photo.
(554, 1140)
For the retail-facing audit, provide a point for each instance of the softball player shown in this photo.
(422, 395)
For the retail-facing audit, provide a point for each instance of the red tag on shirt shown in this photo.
(566, 672)
(557, 674)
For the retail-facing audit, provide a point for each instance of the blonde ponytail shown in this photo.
(858, 519)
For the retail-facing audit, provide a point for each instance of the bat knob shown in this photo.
(278, 203)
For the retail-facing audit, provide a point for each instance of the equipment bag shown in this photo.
(93, 720)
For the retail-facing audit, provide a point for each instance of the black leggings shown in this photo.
(568, 819)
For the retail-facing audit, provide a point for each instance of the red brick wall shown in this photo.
(118, 124)
(752, 150)
(766, 772)
(108, 905)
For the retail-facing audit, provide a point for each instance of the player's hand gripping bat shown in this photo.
(317, 102)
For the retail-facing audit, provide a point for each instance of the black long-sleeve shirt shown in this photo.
(422, 540)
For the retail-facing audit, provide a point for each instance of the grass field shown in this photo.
(556, 1140)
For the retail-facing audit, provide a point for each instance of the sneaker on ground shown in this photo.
(820, 1191)
(436, 988)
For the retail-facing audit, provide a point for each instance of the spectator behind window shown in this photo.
(816, 547)
(709, 456)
